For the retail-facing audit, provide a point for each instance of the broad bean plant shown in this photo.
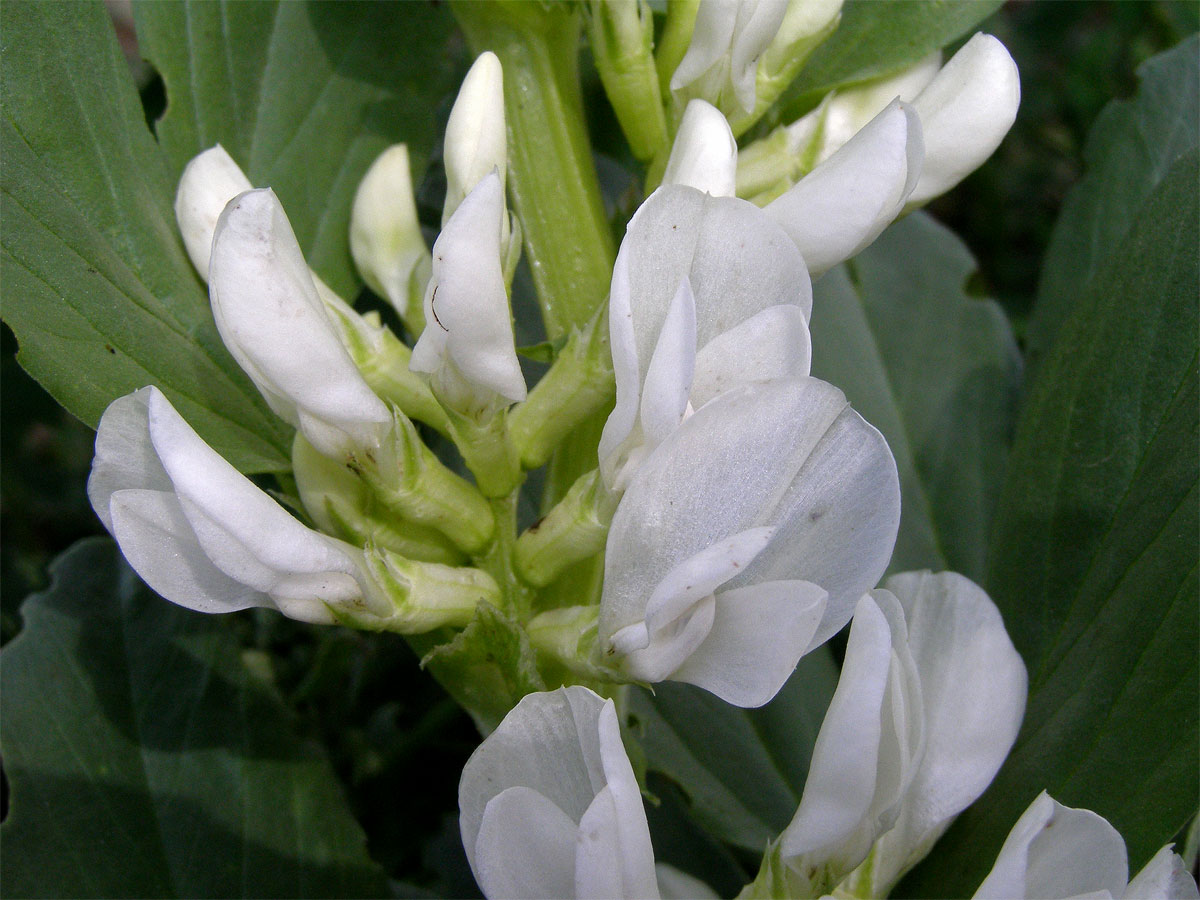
(753, 496)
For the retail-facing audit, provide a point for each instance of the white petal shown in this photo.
(626, 370)
(667, 648)
(850, 110)
(476, 141)
(737, 661)
(601, 870)
(1165, 877)
(758, 23)
(965, 112)
(700, 575)
(787, 454)
(771, 344)
(1054, 852)
(676, 885)
(843, 204)
(125, 457)
(704, 155)
(385, 235)
(712, 35)
(466, 305)
(679, 613)
(973, 684)
(548, 742)
(840, 786)
(245, 533)
(207, 184)
(157, 540)
(273, 321)
(669, 375)
(525, 847)
(633, 832)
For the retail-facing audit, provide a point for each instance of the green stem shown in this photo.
(497, 560)
(551, 178)
(621, 34)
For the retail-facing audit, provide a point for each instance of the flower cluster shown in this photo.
(744, 512)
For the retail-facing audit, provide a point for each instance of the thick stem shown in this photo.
(551, 178)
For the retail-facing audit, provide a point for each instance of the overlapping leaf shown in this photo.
(146, 760)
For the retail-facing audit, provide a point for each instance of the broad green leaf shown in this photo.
(304, 96)
(147, 760)
(935, 370)
(96, 284)
(875, 39)
(741, 770)
(1094, 562)
(1129, 151)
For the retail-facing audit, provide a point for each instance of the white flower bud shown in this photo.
(966, 111)
(385, 236)
(476, 140)
(208, 182)
(721, 62)
(271, 317)
(704, 155)
(467, 346)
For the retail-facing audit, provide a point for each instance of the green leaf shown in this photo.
(147, 760)
(876, 39)
(935, 370)
(1129, 151)
(742, 770)
(96, 284)
(304, 96)
(1094, 560)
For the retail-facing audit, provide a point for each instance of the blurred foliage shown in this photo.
(395, 739)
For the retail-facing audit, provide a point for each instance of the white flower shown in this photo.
(549, 806)
(707, 293)
(476, 142)
(774, 503)
(721, 62)
(930, 699)
(209, 181)
(385, 236)
(272, 318)
(704, 155)
(199, 532)
(966, 111)
(843, 204)
(1056, 852)
(467, 346)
